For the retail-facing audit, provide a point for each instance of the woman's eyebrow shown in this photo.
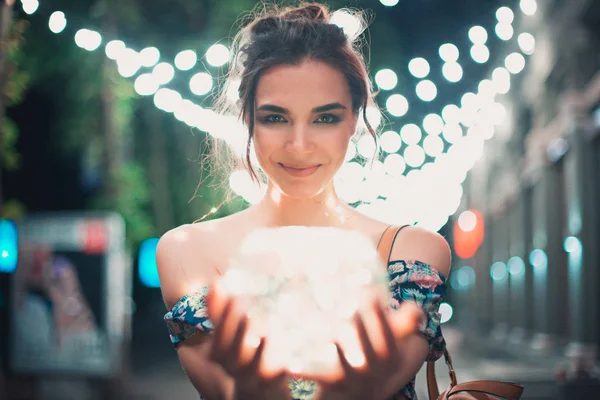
(281, 110)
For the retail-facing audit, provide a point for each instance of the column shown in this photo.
(580, 242)
(547, 259)
(516, 269)
(499, 274)
(528, 286)
(557, 298)
(483, 283)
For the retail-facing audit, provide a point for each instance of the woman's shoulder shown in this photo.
(198, 239)
(415, 243)
(189, 257)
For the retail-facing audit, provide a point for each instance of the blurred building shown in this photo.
(536, 281)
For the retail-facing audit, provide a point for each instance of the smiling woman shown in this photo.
(303, 90)
(293, 138)
(329, 76)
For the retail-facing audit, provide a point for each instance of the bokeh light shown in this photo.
(452, 71)
(419, 67)
(426, 90)
(526, 43)
(449, 52)
(186, 60)
(386, 79)
(397, 105)
(478, 35)
(57, 22)
(217, 55)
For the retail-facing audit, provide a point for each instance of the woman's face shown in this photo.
(303, 123)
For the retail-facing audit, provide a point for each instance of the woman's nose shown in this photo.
(300, 140)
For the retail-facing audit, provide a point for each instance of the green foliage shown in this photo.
(17, 80)
(131, 182)
(15, 83)
(12, 209)
(11, 159)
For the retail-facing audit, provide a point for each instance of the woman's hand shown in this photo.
(375, 379)
(241, 362)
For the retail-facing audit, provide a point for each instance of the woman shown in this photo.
(303, 89)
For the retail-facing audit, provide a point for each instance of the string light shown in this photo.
(214, 210)
(130, 62)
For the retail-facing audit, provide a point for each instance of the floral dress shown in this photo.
(408, 281)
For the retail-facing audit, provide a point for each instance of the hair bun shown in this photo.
(264, 25)
(311, 12)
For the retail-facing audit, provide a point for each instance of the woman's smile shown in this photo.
(299, 170)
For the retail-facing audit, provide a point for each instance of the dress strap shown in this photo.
(387, 240)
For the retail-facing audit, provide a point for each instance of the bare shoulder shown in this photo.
(174, 252)
(185, 258)
(419, 244)
(191, 256)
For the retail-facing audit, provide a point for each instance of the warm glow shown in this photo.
(287, 280)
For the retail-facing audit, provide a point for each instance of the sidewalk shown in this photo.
(483, 359)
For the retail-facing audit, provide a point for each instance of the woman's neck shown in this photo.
(325, 209)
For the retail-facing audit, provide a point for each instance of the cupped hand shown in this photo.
(242, 362)
(373, 379)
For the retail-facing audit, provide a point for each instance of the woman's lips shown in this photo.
(300, 171)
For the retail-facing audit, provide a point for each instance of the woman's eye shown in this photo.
(273, 119)
(328, 119)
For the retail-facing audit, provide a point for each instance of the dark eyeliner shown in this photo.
(266, 120)
(334, 119)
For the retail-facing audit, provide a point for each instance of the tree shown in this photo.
(12, 86)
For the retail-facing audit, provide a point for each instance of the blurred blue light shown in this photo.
(498, 271)
(572, 245)
(466, 277)
(8, 246)
(147, 270)
(463, 278)
(538, 258)
(516, 265)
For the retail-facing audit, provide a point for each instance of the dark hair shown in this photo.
(289, 36)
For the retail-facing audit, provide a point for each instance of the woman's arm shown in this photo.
(172, 254)
(413, 350)
(209, 379)
(413, 243)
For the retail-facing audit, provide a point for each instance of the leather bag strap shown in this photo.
(432, 385)
(506, 390)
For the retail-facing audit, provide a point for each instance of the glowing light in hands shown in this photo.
(301, 287)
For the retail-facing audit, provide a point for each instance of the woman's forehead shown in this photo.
(310, 83)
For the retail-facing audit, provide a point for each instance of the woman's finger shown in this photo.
(219, 332)
(215, 304)
(391, 346)
(365, 341)
(254, 364)
(346, 367)
(235, 350)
